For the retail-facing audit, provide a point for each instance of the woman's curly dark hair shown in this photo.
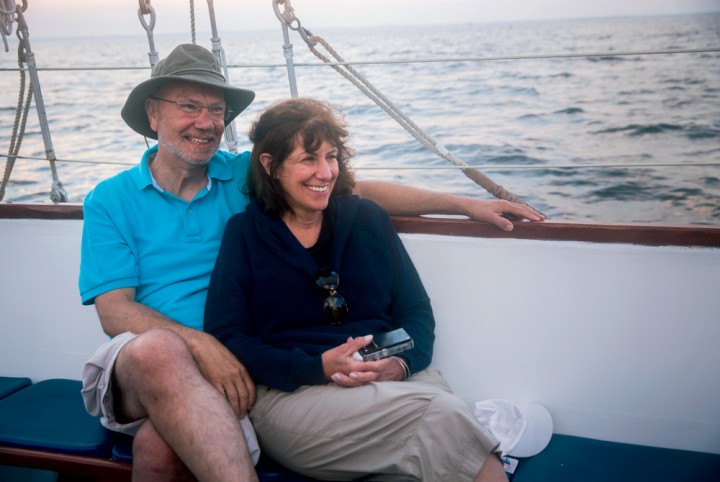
(278, 131)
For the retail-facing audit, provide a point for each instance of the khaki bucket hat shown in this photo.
(189, 63)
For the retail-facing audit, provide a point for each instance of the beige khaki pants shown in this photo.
(415, 430)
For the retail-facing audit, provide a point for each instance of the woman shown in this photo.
(303, 279)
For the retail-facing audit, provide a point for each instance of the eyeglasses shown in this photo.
(335, 306)
(193, 110)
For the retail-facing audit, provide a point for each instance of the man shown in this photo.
(150, 238)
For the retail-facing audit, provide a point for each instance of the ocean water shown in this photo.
(609, 138)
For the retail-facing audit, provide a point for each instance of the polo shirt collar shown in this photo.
(218, 168)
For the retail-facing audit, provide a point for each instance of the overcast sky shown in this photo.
(66, 18)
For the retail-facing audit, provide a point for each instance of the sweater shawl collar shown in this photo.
(341, 212)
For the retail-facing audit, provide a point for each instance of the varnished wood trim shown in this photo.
(643, 234)
(66, 464)
(40, 211)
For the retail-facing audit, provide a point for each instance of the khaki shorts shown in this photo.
(98, 394)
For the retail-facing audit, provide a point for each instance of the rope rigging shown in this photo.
(7, 13)
(146, 9)
(11, 12)
(192, 21)
(231, 138)
(289, 20)
(18, 131)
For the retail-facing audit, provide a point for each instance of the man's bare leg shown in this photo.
(155, 460)
(157, 378)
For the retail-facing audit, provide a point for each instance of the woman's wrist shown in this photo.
(403, 364)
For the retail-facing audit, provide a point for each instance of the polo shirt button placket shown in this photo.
(192, 226)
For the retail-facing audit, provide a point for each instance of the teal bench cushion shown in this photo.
(576, 459)
(10, 385)
(122, 450)
(50, 415)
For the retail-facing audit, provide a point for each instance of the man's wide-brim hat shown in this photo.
(188, 63)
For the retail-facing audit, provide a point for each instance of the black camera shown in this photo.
(387, 344)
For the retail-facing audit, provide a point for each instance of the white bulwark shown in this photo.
(618, 341)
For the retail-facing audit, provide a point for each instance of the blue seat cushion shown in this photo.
(122, 450)
(50, 415)
(10, 385)
(576, 459)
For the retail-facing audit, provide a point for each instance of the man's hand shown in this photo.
(500, 212)
(224, 371)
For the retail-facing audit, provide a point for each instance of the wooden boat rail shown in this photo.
(631, 233)
(72, 467)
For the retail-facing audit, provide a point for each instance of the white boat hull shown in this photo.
(618, 341)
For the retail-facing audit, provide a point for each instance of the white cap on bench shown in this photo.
(523, 429)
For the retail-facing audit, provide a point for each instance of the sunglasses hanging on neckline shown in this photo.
(335, 306)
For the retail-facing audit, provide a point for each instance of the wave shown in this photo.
(711, 181)
(566, 111)
(21, 182)
(642, 129)
(692, 132)
(514, 159)
(626, 191)
(680, 194)
(570, 111)
(614, 58)
(702, 132)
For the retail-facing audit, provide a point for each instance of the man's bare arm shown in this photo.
(401, 200)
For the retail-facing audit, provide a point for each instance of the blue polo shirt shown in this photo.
(137, 236)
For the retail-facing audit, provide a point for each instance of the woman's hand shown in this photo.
(341, 367)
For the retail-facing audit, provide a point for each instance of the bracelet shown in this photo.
(404, 365)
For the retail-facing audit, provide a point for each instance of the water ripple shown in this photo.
(623, 111)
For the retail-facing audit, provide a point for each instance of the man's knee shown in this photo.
(154, 350)
(151, 366)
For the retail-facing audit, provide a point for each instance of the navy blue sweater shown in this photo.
(264, 305)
